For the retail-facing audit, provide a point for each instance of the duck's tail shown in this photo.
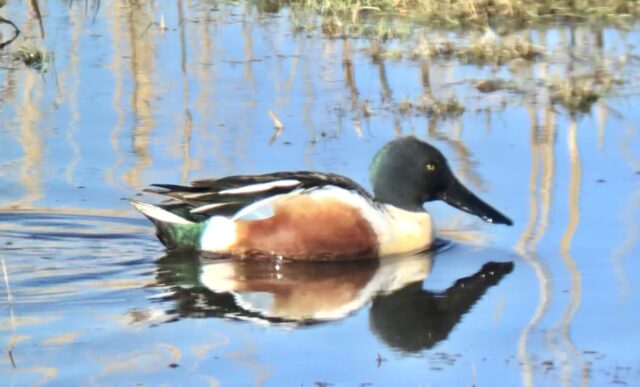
(174, 231)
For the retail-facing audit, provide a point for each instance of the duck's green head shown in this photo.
(408, 172)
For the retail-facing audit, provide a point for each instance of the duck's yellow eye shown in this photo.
(431, 167)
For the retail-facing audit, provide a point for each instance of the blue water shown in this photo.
(92, 297)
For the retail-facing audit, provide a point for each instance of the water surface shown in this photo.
(92, 297)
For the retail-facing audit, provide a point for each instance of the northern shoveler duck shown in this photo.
(317, 216)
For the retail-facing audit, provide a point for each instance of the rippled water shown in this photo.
(90, 296)
(117, 310)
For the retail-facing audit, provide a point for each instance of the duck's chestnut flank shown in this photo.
(308, 228)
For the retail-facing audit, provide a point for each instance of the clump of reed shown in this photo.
(432, 107)
(32, 57)
(578, 93)
(370, 17)
(487, 49)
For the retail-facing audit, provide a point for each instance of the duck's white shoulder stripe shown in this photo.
(264, 208)
(208, 207)
(261, 187)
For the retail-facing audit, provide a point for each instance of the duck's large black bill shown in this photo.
(458, 196)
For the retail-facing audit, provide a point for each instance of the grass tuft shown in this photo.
(578, 93)
(372, 17)
(432, 107)
(32, 57)
(488, 49)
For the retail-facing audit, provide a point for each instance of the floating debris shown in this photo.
(366, 109)
(277, 125)
(276, 122)
(489, 85)
(163, 24)
(357, 127)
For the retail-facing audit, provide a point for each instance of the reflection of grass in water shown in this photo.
(496, 44)
(487, 49)
(12, 340)
(575, 92)
(32, 57)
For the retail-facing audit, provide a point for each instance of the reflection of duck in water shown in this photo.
(312, 291)
(317, 216)
(402, 313)
(413, 319)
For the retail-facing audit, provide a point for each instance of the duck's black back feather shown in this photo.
(307, 179)
(198, 200)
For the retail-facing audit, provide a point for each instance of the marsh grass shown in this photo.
(578, 93)
(32, 57)
(374, 25)
(372, 17)
(484, 50)
(432, 107)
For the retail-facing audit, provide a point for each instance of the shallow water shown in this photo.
(91, 297)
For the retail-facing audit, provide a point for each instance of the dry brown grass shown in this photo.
(370, 17)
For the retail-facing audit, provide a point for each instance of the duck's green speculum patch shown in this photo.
(180, 236)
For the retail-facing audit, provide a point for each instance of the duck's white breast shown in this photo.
(399, 231)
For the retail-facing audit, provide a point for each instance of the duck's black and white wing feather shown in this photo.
(225, 196)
